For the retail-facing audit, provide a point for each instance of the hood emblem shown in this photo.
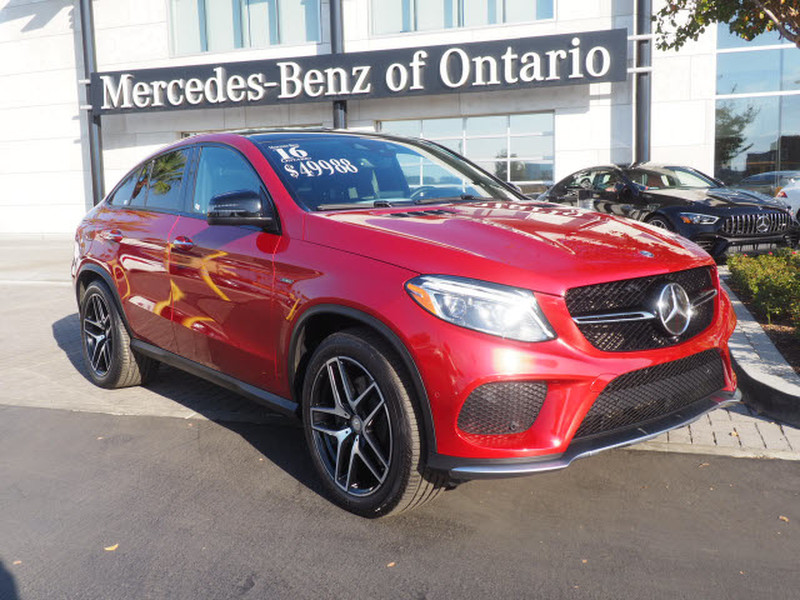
(646, 253)
(762, 224)
(674, 310)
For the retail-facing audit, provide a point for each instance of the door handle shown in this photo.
(182, 243)
(113, 235)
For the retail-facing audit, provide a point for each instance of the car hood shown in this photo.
(721, 197)
(540, 246)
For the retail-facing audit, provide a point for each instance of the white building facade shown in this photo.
(531, 136)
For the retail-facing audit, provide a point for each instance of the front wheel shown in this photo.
(661, 223)
(361, 427)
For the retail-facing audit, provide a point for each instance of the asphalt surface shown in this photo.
(102, 506)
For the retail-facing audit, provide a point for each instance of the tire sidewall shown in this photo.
(398, 403)
(667, 226)
(113, 373)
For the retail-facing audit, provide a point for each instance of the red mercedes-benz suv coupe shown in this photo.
(426, 322)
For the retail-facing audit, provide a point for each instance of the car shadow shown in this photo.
(8, 588)
(278, 438)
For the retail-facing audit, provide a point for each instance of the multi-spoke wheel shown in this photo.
(106, 345)
(98, 335)
(351, 426)
(361, 426)
(661, 223)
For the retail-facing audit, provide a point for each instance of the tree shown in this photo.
(730, 132)
(683, 20)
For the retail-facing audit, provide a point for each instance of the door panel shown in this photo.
(140, 267)
(222, 280)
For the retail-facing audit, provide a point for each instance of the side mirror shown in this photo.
(242, 207)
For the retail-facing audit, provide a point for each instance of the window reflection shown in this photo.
(726, 39)
(758, 130)
(397, 16)
(517, 148)
(222, 25)
(748, 72)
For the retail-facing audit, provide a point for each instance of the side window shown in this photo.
(132, 190)
(166, 180)
(606, 181)
(221, 170)
(579, 181)
(123, 194)
(139, 193)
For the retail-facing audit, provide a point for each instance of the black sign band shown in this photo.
(524, 63)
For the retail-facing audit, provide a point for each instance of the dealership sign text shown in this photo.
(588, 57)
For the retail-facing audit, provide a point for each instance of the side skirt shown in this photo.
(268, 399)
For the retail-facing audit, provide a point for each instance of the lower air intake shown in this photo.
(502, 408)
(654, 392)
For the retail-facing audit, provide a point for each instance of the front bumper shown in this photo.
(716, 243)
(462, 469)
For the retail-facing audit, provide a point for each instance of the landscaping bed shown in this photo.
(769, 285)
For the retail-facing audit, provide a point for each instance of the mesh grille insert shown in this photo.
(502, 408)
(638, 294)
(654, 392)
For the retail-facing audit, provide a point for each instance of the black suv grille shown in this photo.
(502, 408)
(654, 392)
(760, 223)
(638, 295)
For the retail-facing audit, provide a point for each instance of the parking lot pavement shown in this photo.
(98, 506)
(41, 366)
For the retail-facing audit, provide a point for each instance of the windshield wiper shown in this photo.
(342, 206)
(462, 198)
(354, 205)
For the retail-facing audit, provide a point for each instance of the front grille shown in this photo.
(502, 408)
(638, 295)
(654, 392)
(760, 223)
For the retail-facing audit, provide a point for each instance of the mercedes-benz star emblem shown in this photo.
(762, 224)
(674, 309)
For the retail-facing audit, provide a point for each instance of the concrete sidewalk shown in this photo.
(40, 359)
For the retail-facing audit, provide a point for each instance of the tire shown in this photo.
(661, 223)
(365, 445)
(107, 352)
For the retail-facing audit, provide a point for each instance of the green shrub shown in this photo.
(771, 282)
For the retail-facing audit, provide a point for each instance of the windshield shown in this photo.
(670, 177)
(335, 172)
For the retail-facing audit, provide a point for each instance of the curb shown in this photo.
(769, 385)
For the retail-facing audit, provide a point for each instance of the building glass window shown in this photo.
(398, 16)
(222, 25)
(757, 108)
(515, 148)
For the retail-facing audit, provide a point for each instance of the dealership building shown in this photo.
(529, 89)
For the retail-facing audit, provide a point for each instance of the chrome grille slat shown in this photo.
(736, 225)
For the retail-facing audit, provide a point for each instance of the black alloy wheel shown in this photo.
(361, 427)
(109, 358)
(661, 223)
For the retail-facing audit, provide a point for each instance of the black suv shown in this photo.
(683, 200)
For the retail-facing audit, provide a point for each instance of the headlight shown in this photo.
(698, 219)
(488, 307)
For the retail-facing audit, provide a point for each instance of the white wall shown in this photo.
(42, 175)
(684, 88)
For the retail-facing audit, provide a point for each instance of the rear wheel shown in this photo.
(107, 352)
(361, 427)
